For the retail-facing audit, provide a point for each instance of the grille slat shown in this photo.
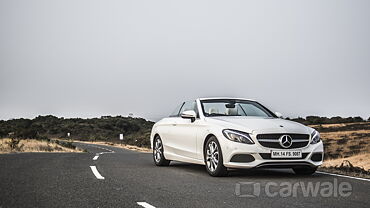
(272, 140)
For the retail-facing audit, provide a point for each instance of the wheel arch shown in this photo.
(205, 142)
(154, 137)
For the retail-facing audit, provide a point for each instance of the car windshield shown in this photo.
(231, 107)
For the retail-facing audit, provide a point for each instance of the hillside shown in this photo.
(136, 131)
(345, 140)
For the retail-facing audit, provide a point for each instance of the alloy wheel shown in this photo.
(212, 157)
(158, 147)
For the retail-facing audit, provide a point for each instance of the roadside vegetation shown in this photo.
(357, 165)
(312, 120)
(347, 148)
(136, 131)
(11, 145)
(121, 145)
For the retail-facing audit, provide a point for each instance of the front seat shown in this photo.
(232, 111)
(213, 111)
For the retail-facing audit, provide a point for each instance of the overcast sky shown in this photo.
(91, 58)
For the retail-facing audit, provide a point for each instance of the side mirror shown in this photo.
(278, 114)
(189, 114)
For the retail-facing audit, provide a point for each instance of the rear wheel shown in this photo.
(158, 155)
(213, 158)
(305, 170)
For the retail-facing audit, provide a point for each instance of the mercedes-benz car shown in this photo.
(224, 133)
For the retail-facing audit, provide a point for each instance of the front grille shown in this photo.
(267, 156)
(272, 140)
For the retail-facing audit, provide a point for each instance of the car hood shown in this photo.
(256, 125)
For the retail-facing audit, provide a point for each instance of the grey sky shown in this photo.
(91, 58)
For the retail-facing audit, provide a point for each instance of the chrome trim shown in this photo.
(277, 141)
(284, 164)
(268, 140)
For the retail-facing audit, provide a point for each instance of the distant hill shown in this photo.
(136, 131)
(310, 120)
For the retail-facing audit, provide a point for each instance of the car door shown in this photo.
(184, 133)
(165, 129)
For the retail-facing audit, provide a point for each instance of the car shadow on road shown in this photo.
(241, 173)
(189, 167)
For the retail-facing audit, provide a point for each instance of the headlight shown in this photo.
(315, 137)
(237, 136)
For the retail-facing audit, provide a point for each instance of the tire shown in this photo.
(213, 158)
(158, 151)
(305, 170)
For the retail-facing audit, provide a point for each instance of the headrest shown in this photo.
(213, 110)
(232, 111)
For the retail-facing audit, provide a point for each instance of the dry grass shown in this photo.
(336, 125)
(345, 143)
(31, 145)
(360, 160)
(124, 146)
(131, 147)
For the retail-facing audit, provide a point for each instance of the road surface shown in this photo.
(113, 177)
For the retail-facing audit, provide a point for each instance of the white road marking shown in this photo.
(93, 168)
(100, 153)
(344, 176)
(110, 151)
(96, 172)
(144, 204)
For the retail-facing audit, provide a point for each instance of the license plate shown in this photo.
(286, 154)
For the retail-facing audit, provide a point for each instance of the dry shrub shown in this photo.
(32, 145)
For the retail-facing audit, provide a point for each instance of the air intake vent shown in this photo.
(242, 158)
(317, 157)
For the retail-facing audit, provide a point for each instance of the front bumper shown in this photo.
(231, 148)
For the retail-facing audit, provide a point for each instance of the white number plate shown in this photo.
(286, 154)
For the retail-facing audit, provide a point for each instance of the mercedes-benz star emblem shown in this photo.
(285, 141)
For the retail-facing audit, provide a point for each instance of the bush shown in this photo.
(14, 144)
(43, 138)
(324, 120)
(65, 144)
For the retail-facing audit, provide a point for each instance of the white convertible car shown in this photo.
(224, 133)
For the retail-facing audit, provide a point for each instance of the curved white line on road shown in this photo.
(110, 151)
(106, 149)
(96, 173)
(344, 176)
(100, 153)
(144, 204)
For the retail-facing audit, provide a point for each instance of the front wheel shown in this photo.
(305, 170)
(213, 158)
(158, 155)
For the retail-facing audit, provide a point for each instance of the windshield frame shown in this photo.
(263, 108)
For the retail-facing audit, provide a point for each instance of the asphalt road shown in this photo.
(67, 180)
